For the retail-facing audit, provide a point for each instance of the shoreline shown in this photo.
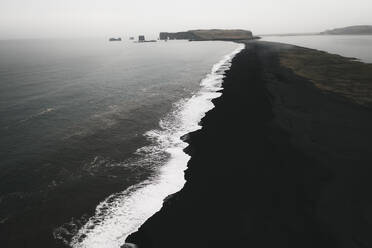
(271, 165)
(126, 211)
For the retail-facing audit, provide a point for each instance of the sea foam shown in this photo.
(123, 213)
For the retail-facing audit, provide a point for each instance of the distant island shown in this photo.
(351, 30)
(211, 34)
(115, 39)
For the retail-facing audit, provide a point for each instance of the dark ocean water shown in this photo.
(89, 122)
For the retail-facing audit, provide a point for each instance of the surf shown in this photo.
(123, 213)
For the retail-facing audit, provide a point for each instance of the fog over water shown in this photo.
(75, 18)
(91, 122)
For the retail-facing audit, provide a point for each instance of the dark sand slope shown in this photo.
(344, 76)
(278, 163)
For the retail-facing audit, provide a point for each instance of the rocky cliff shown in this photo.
(212, 34)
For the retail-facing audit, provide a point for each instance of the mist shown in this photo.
(86, 18)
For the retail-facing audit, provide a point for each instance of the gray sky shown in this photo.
(74, 18)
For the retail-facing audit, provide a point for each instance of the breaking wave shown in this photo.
(123, 213)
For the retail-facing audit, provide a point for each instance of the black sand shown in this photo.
(278, 163)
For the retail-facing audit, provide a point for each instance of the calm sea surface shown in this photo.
(88, 122)
(354, 46)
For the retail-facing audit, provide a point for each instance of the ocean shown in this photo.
(354, 46)
(90, 134)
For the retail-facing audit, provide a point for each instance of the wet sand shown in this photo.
(279, 162)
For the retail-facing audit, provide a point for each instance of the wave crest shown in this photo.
(123, 213)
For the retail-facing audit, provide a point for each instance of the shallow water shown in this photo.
(89, 120)
(354, 46)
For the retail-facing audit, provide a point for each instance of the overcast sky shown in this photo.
(74, 18)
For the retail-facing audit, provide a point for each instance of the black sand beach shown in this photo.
(279, 162)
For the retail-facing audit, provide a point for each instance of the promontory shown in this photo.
(210, 34)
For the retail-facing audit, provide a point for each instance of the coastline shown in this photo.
(271, 165)
(126, 211)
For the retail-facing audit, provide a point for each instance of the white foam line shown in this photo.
(122, 214)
